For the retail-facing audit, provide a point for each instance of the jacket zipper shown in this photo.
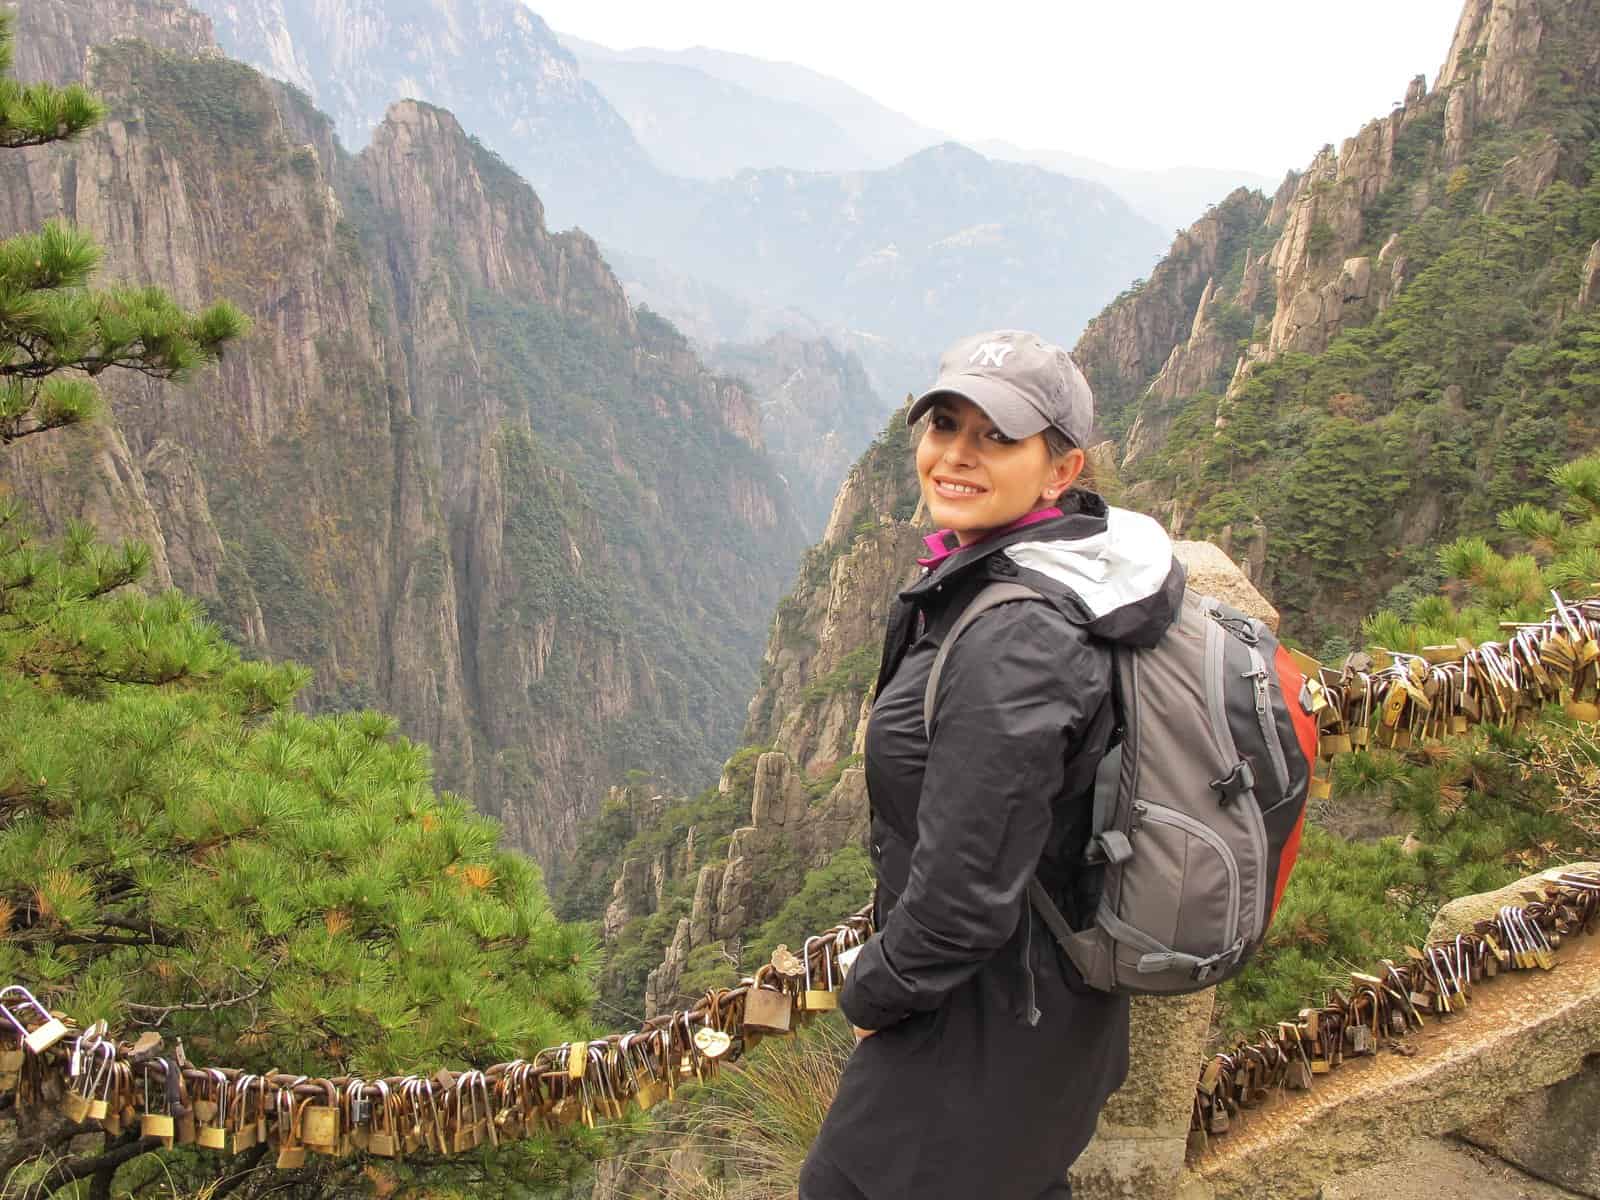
(1166, 816)
(1027, 963)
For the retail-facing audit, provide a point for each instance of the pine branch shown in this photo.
(163, 1011)
(247, 1165)
(69, 1171)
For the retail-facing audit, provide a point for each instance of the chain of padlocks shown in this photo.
(91, 1077)
(1390, 1004)
(1395, 699)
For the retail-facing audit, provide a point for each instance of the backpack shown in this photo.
(1198, 804)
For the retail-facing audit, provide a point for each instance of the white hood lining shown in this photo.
(1127, 563)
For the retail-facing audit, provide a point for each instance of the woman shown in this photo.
(982, 1060)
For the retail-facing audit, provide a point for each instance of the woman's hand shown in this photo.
(862, 1034)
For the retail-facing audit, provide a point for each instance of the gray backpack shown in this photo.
(1197, 806)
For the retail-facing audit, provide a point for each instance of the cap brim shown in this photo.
(1012, 414)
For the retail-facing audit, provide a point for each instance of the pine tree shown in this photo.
(182, 851)
(56, 334)
(1559, 552)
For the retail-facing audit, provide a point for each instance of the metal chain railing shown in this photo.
(92, 1077)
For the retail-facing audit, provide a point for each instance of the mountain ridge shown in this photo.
(869, 135)
(437, 470)
(597, 172)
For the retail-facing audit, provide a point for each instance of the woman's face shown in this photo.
(975, 479)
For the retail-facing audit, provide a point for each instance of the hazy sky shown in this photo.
(1250, 84)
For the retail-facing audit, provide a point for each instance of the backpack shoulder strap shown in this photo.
(989, 597)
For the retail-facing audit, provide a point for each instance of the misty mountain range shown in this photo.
(779, 198)
(706, 113)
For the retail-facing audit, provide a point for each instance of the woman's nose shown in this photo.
(960, 449)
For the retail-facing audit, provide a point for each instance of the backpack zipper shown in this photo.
(1215, 657)
(1163, 815)
(1269, 727)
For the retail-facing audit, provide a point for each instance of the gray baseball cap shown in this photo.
(1020, 380)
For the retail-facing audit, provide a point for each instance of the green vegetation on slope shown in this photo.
(1449, 405)
(1481, 811)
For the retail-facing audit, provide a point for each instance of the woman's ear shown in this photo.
(1064, 472)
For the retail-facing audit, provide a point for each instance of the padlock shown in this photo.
(211, 1113)
(767, 1008)
(50, 1028)
(291, 1149)
(384, 1139)
(320, 1126)
(818, 999)
(154, 1123)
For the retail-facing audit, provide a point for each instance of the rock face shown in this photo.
(1491, 72)
(1138, 334)
(817, 410)
(436, 471)
(53, 39)
(494, 63)
(789, 834)
(1264, 289)
(823, 651)
(1589, 289)
(1550, 1133)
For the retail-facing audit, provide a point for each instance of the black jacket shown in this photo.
(992, 1059)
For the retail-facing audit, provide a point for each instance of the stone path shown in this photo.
(1522, 1031)
(1430, 1169)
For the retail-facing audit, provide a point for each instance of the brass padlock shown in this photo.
(766, 1007)
(291, 1150)
(49, 1029)
(461, 1116)
(818, 999)
(159, 1123)
(75, 1105)
(384, 1139)
(320, 1126)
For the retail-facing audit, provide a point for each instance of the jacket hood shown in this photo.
(1122, 576)
(1110, 570)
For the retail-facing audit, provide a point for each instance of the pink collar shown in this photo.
(943, 544)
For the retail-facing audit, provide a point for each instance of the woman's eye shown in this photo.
(997, 436)
(943, 423)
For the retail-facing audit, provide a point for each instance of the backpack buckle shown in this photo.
(1111, 847)
(1206, 967)
(1235, 783)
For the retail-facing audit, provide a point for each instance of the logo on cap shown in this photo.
(991, 354)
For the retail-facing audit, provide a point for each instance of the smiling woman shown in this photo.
(983, 1059)
(1009, 415)
(977, 478)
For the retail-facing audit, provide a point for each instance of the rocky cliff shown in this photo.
(443, 464)
(494, 63)
(684, 889)
(818, 409)
(1379, 355)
